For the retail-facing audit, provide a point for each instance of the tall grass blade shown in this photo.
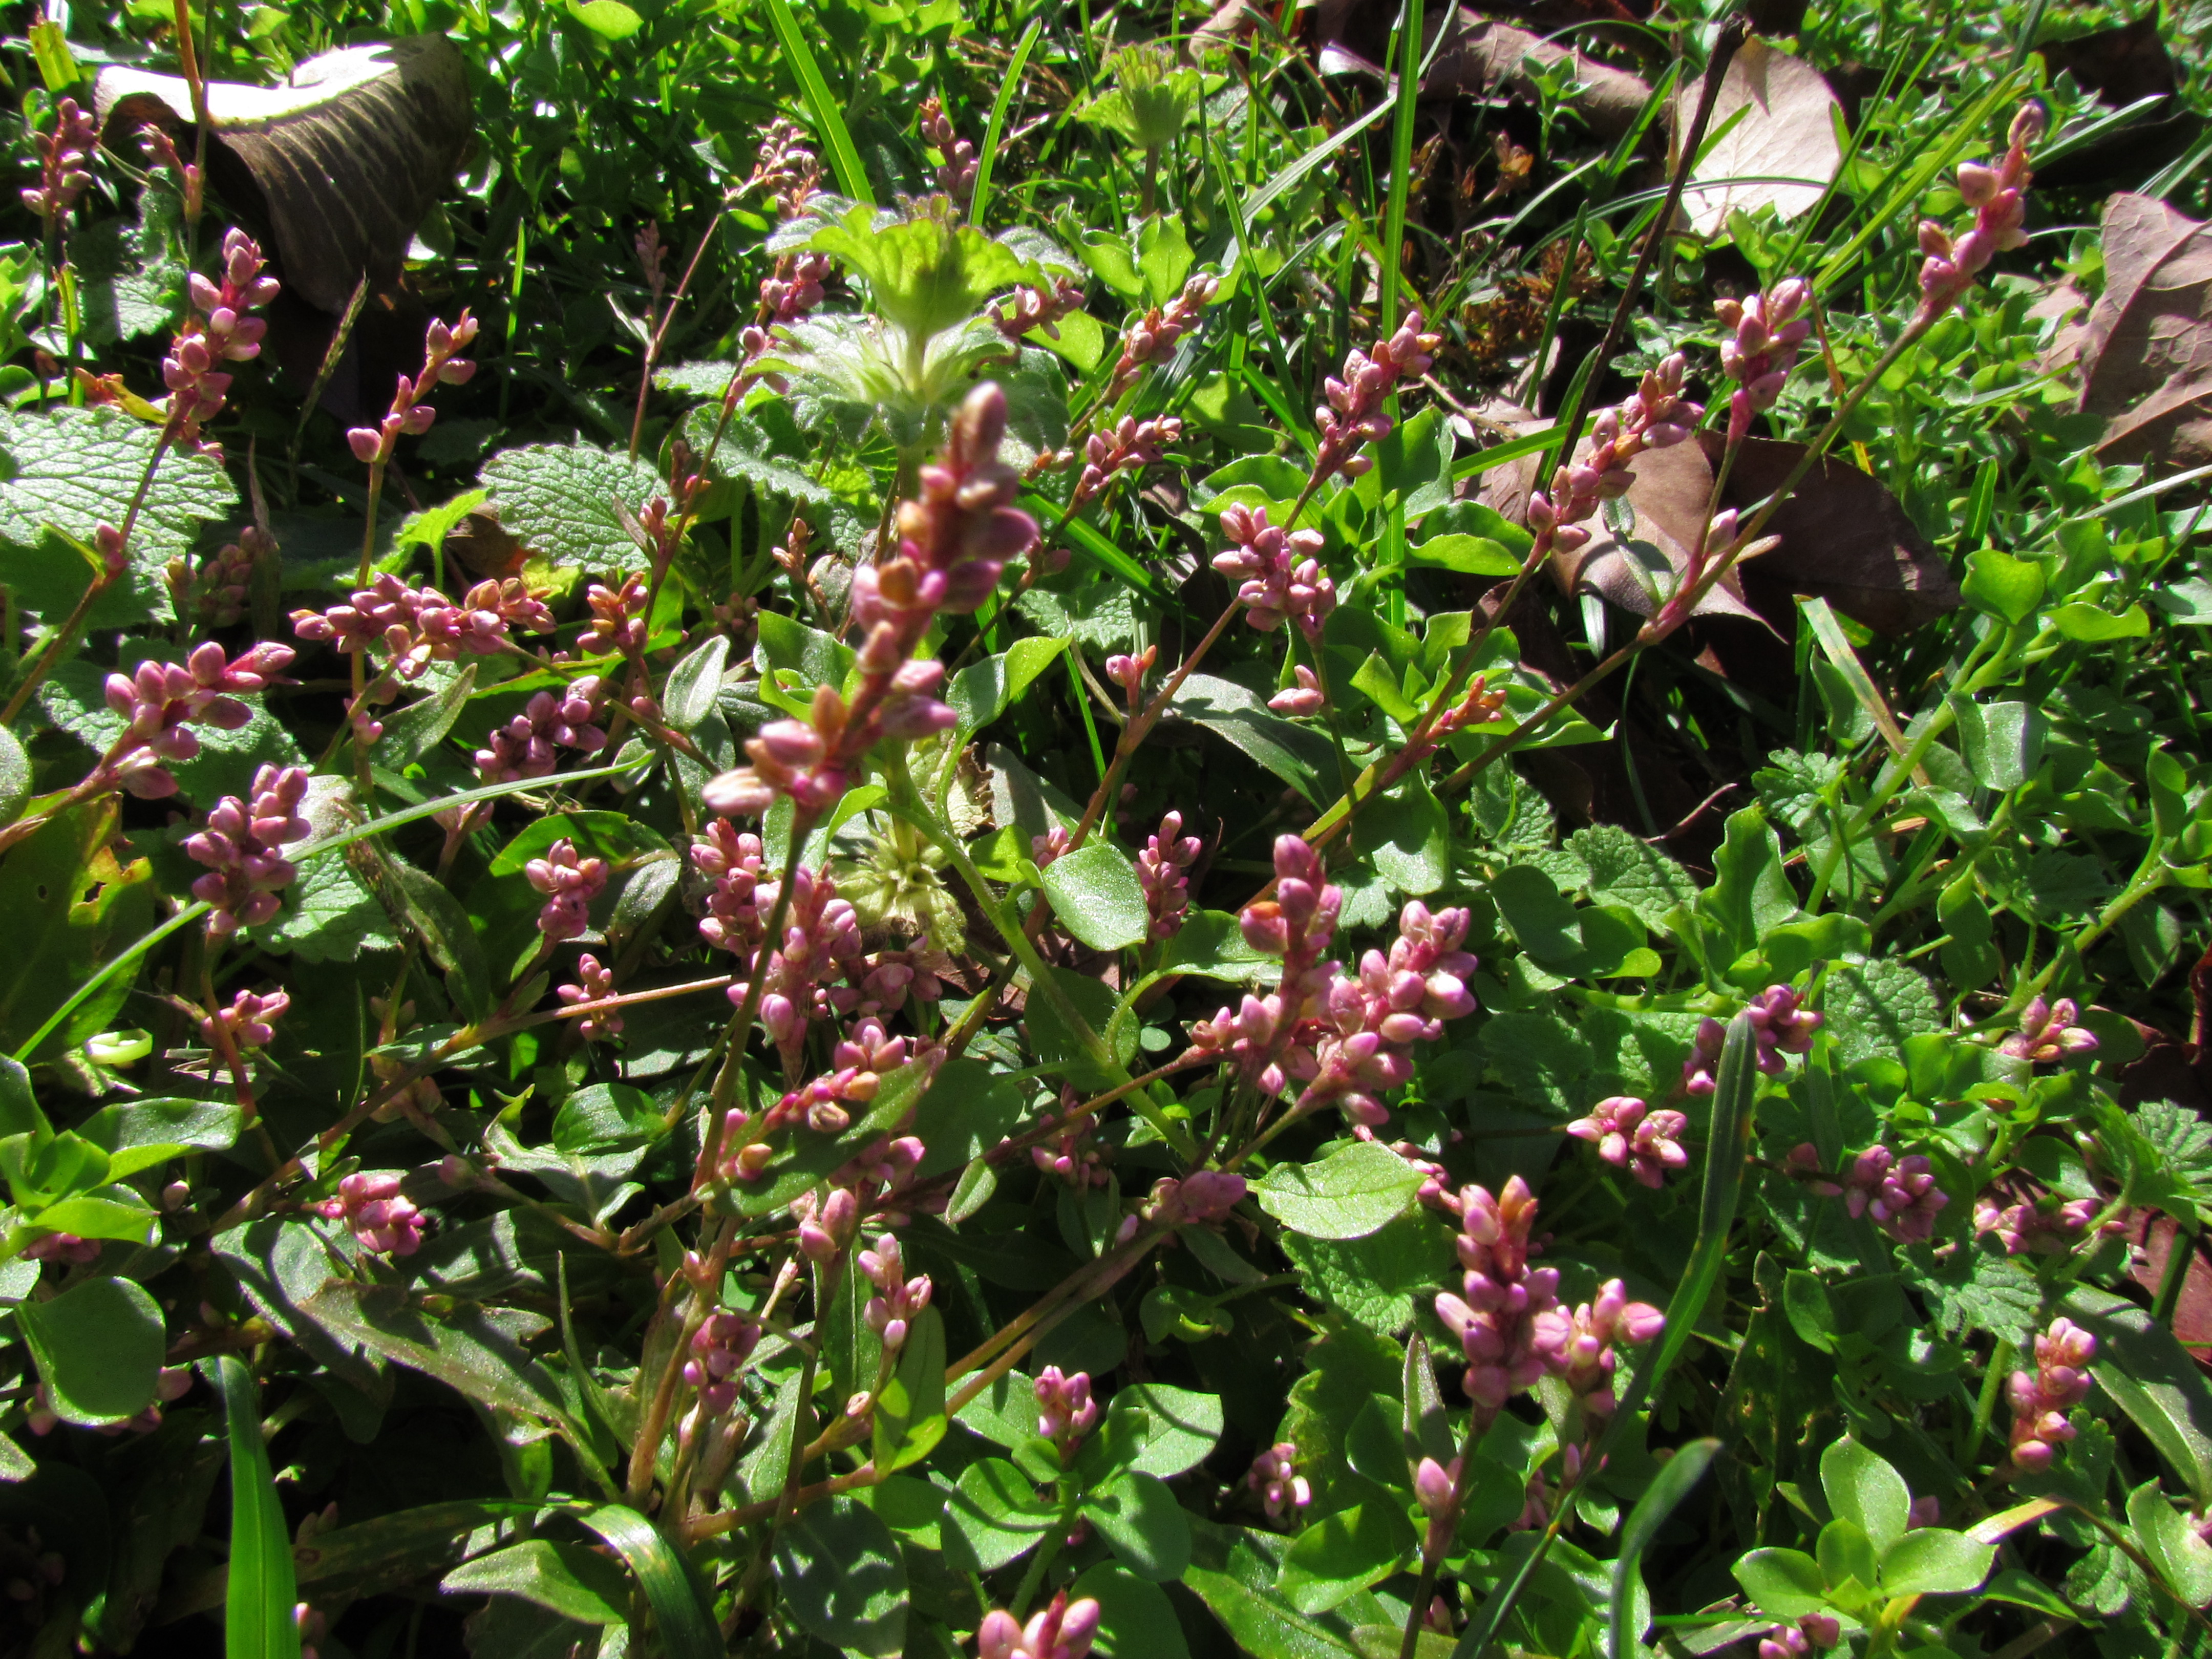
(680, 1608)
(992, 134)
(1661, 1499)
(258, 1603)
(829, 119)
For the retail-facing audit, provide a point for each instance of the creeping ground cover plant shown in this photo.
(893, 829)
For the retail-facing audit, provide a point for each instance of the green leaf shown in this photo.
(924, 275)
(19, 1104)
(614, 836)
(694, 682)
(1136, 1621)
(1298, 756)
(609, 19)
(994, 1515)
(448, 936)
(416, 730)
(1749, 893)
(839, 1573)
(14, 777)
(469, 1349)
(910, 1411)
(559, 500)
(258, 1621)
(2152, 1378)
(2094, 626)
(1097, 896)
(969, 1109)
(1785, 1584)
(1470, 555)
(1864, 1490)
(76, 469)
(1139, 1516)
(1259, 1620)
(2184, 1559)
(1379, 1280)
(1349, 1194)
(72, 907)
(1408, 833)
(564, 1578)
(2002, 742)
(1935, 1561)
(2008, 588)
(1163, 256)
(1340, 1555)
(99, 1346)
(981, 692)
(1174, 1428)
(683, 1608)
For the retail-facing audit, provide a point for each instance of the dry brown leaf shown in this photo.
(1787, 133)
(2146, 353)
(1668, 496)
(345, 159)
(1483, 57)
(1842, 537)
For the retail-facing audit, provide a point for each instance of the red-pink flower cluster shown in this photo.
(1072, 1154)
(1582, 1343)
(1280, 569)
(955, 177)
(1367, 1025)
(1654, 416)
(820, 931)
(1780, 1024)
(617, 623)
(2048, 1034)
(787, 295)
(1202, 1196)
(1998, 197)
(441, 366)
(2041, 1398)
(955, 537)
(593, 984)
(1434, 1483)
(525, 746)
(1131, 444)
(1899, 1194)
(1353, 418)
(735, 913)
(719, 1348)
(1814, 1632)
(1302, 696)
(65, 160)
(65, 1247)
(1063, 1630)
(899, 1298)
(218, 330)
(1066, 1414)
(384, 1222)
(1167, 855)
(1630, 1135)
(418, 626)
(1282, 1490)
(217, 593)
(1032, 308)
(826, 1225)
(570, 882)
(250, 1021)
(785, 168)
(1152, 335)
(2044, 1226)
(1496, 1320)
(241, 848)
(1764, 334)
(159, 701)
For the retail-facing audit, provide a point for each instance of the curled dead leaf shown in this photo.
(1842, 536)
(2146, 353)
(1781, 152)
(1483, 57)
(1666, 502)
(339, 165)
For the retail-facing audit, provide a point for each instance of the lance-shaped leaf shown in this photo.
(344, 159)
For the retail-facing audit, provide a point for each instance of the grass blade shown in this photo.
(680, 1611)
(1402, 157)
(829, 121)
(1683, 1471)
(1086, 543)
(257, 1603)
(982, 194)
